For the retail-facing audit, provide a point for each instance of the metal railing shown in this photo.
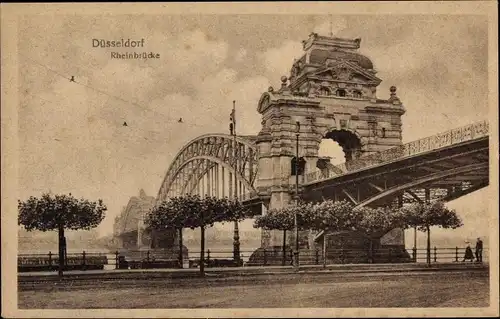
(50, 261)
(454, 136)
(219, 258)
(260, 257)
(447, 254)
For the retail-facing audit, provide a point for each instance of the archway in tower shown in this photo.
(337, 147)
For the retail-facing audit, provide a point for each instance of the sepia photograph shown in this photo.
(207, 160)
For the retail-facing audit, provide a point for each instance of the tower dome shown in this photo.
(324, 56)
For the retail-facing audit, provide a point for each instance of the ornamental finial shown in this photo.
(284, 79)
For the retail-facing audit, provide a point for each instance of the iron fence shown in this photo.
(277, 257)
(449, 254)
(274, 256)
(50, 261)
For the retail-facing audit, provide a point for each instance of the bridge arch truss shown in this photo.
(208, 164)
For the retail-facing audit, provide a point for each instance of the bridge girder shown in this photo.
(445, 172)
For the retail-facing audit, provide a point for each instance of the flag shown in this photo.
(232, 118)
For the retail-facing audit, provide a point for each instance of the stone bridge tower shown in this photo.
(331, 92)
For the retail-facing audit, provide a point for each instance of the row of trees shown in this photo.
(373, 222)
(193, 211)
(62, 212)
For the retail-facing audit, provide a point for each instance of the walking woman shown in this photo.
(468, 253)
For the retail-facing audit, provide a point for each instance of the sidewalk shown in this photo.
(246, 271)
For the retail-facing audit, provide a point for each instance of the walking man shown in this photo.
(479, 250)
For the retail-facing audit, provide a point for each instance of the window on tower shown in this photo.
(341, 92)
(301, 167)
(356, 94)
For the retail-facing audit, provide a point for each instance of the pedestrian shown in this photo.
(479, 250)
(468, 253)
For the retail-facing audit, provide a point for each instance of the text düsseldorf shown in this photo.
(122, 43)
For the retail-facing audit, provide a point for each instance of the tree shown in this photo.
(192, 211)
(333, 216)
(166, 215)
(284, 219)
(217, 210)
(60, 212)
(375, 222)
(424, 215)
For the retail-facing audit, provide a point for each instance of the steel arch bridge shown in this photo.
(208, 165)
(444, 166)
(449, 165)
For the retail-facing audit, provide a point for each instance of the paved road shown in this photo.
(26, 279)
(429, 289)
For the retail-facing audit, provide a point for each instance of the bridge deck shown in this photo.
(455, 169)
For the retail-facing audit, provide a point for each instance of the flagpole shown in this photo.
(236, 237)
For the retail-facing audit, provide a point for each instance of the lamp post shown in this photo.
(295, 221)
(427, 201)
(415, 244)
(236, 235)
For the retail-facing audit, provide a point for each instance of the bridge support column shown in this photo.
(279, 200)
(139, 237)
(395, 238)
(274, 238)
(265, 235)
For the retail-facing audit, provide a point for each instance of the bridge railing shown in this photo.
(454, 136)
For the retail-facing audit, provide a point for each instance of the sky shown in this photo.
(71, 134)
